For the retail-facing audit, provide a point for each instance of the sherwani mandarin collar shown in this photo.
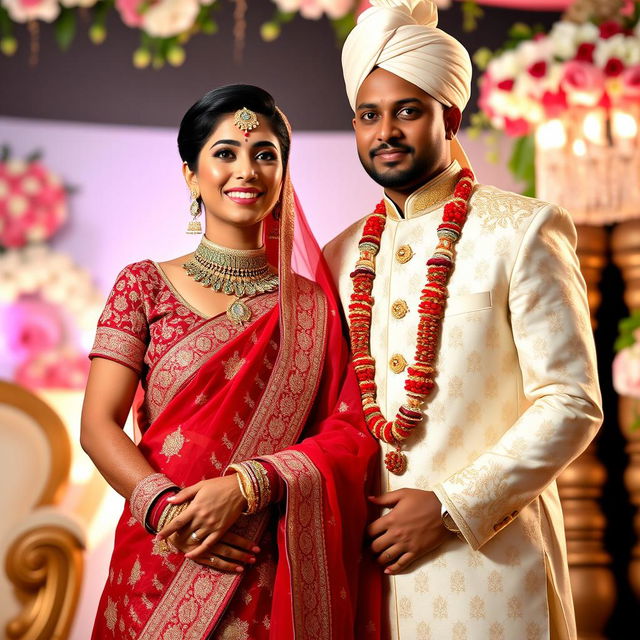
(428, 197)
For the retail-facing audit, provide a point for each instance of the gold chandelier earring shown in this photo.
(195, 210)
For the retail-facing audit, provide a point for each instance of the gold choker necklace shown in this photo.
(235, 272)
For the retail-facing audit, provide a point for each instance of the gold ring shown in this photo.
(194, 537)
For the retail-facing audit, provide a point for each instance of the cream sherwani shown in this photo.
(516, 399)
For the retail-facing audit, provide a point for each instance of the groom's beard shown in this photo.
(394, 178)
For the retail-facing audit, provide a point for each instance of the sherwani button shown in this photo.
(404, 254)
(399, 309)
(397, 363)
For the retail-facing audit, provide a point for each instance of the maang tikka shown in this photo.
(194, 225)
(245, 120)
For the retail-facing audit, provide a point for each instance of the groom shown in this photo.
(472, 533)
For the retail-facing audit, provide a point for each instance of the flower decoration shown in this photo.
(62, 368)
(166, 25)
(538, 76)
(33, 202)
(626, 364)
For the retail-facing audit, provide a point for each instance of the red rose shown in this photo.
(538, 69)
(554, 103)
(516, 128)
(506, 85)
(613, 68)
(585, 52)
(609, 29)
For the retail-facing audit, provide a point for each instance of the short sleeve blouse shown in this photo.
(143, 317)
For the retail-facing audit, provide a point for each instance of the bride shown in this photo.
(246, 494)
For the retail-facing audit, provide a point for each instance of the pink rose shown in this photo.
(583, 83)
(131, 11)
(626, 372)
(631, 81)
(32, 327)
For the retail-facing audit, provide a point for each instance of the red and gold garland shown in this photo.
(420, 378)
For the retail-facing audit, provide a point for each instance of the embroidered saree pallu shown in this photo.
(279, 389)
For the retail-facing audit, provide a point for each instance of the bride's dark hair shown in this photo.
(202, 118)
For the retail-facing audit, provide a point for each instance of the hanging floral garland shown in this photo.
(167, 25)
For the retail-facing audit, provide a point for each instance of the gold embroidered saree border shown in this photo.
(185, 358)
(120, 346)
(306, 548)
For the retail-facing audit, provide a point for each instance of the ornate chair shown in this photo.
(40, 546)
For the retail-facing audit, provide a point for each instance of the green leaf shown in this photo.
(284, 16)
(623, 342)
(471, 13)
(482, 57)
(342, 27)
(5, 152)
(522, 164)
(65, 28)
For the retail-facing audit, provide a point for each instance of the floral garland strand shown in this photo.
(420, 378)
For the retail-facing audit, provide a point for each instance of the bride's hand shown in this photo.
(215, 506)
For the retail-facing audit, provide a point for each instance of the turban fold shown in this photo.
(401, 36)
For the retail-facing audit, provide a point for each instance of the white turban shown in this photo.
(401, 37)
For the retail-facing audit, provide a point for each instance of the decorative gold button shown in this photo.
(397, 363)
(404, 254)
(399, 309)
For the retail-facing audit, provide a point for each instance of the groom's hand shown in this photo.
(410, 530)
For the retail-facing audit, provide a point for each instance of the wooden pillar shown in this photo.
(625, 244)
(580, 487)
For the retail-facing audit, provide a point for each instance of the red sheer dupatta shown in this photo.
(281, 390)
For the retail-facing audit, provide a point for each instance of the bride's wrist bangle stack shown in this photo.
(146, 495)
(254, 484)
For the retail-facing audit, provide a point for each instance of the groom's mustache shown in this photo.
(403, 148)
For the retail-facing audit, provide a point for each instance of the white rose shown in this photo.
(19, 11)
(587, 32)
(170, 17)
(631, 52)
(504, 67)
(612, 48)
(533, 51)
(563, 40)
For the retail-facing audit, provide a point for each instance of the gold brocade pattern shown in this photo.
(311, 594)
(173, 443)
(120, 346)
(497, 208)
(181, 362)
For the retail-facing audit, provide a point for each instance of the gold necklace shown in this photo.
(235, 272)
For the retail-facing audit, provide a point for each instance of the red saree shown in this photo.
(280, 389)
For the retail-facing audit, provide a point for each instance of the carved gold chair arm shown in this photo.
(45, 566)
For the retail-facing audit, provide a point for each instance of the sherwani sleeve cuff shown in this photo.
(450, 506)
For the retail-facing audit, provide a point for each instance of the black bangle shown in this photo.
(147, 526)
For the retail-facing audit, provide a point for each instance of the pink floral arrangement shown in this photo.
(33, 203)
(541, 76)
(626, 364)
